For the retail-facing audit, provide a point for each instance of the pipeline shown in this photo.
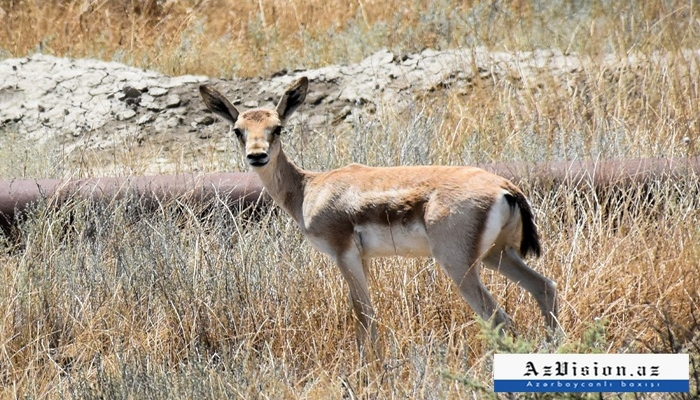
(597, 175)
(236, 190)
(244, 190)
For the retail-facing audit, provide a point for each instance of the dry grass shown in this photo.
(246, 38)
(166, 305)
(97, 302)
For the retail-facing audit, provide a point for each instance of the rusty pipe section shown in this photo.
(236, 190)
(245, 189)
(597, 175)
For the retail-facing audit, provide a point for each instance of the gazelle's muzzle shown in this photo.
(257, 150)
(257, 159)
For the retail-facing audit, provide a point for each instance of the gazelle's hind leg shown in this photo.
(352, 268)
(464, 271)
(509, 263)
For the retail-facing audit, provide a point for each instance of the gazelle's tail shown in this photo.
(530, 241)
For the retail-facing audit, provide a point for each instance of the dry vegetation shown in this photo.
(96, 302)
(250, 38)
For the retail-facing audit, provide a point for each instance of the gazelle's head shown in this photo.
(257, 130)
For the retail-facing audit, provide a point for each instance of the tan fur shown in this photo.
(459, 215)
(264, 116)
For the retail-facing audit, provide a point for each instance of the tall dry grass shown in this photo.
(225, 37)
(100, 301)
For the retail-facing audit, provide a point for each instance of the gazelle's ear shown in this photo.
(218, 103)
(292, 98)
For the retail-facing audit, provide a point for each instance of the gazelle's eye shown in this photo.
(277, 131)
(237, 132)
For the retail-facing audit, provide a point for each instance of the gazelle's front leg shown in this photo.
(351, 266)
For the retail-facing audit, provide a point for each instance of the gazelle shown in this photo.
(458, 215)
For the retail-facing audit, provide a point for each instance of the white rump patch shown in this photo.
(498, 216)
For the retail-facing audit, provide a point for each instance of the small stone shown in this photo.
(251, 104)
(157, 91)
(141, 86)
(205, 120)
(131, 92)
(154, 106)
(146, 119)
(126, 114)
(146, 98)
(172, 101)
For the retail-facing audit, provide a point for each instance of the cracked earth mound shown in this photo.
(96, 105)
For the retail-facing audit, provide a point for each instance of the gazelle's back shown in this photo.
(392, 210)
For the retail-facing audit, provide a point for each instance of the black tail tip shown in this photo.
(530, 242)
(531, 246)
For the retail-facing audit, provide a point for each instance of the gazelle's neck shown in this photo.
(286, 183)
